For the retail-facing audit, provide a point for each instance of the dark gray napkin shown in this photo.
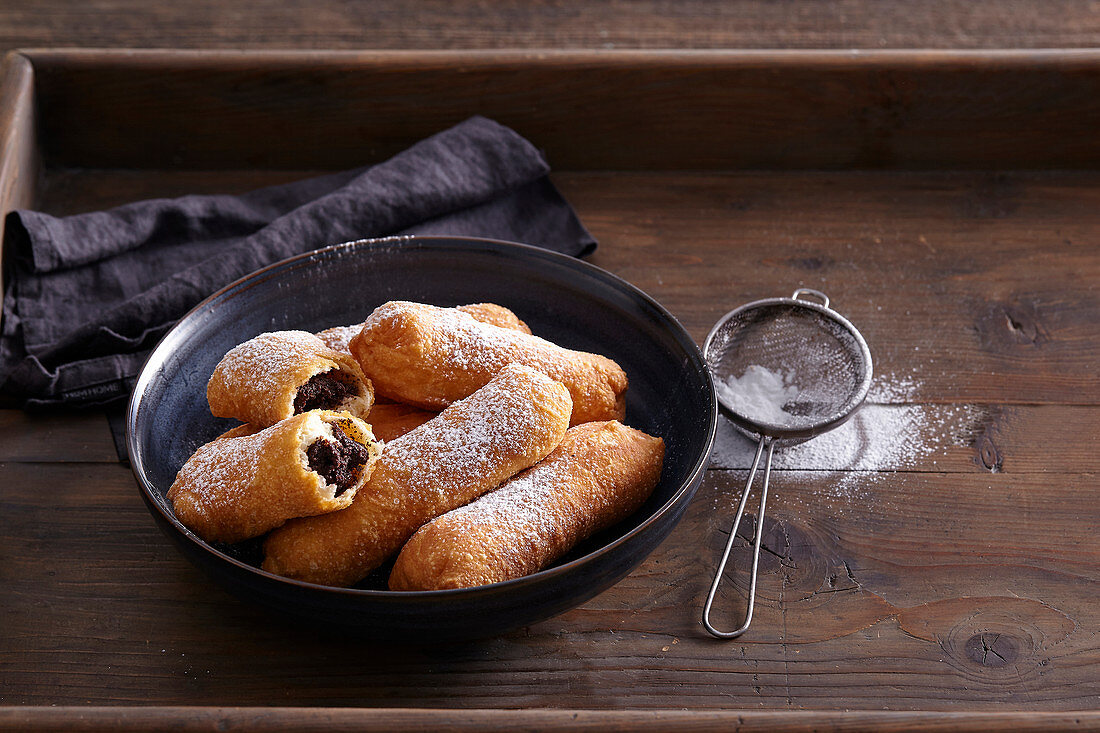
(89, 295)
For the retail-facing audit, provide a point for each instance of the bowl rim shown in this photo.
(156, 357)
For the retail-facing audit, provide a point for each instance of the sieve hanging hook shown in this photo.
(810, 291)
(831, 377)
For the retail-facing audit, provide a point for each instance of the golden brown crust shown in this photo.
(338, 337)
(468, 449)
(430, 357)
(240, 431)
(599, 474)
(496, 315)
(257, 381)
(390, 420)
(234, 488)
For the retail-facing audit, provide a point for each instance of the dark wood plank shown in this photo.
(55, 436)
(711, 110)
(882, 439)
(121, 719)
(968, 287)
(650, 24)
(956, 574)
(860, 592)
(971, 288)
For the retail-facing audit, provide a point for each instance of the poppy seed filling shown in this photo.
(339, 461)
(323, 391)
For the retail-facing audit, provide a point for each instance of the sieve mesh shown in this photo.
(818, 354)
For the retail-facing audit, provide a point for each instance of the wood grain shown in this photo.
(861, 590)
(974, 282)
(711, 110)
(950, 581)
(651, 24)
(55, 436)
(971, 288)
(121, 719)
(989, 439)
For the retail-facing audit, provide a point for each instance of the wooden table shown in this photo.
(949, 580)
(551, 24)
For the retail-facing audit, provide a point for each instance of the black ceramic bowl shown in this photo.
(563, 299)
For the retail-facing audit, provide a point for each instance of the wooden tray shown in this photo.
(948, 202)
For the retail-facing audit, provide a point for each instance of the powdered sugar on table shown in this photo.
(887, 434)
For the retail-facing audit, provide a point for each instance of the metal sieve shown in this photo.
(785, 370)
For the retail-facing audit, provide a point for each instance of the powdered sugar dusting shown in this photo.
(519, 510)
(458, 339)
(337, 338)
(258, 381)
(463, 344)
(431, 356)
(480, 438)
(896, 389)
(217, 476)
(879, 439)
(264, 362)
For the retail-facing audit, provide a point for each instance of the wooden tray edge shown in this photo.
(19, 160)
(589, 109)
(1005, 57)
(184, 719)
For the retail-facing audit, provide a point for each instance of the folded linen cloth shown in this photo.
(89, 295)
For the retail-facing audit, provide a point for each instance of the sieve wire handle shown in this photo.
(764, 441)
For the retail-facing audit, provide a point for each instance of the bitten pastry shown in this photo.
(429, 357)
(338, 337)
(599, 474)
(244, 483)
(511, 423)
(275, 375)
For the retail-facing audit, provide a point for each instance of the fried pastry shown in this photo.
(506, 426)
(496, 315)
(338, 337)
(391, 420)
(429, 357)
(598, 475)
(275, 375)
(240, 431)
(387, 420)
(247, 481)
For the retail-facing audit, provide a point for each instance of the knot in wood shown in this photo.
(810, 262)
(1005, 327)
(988, 454)
(991, 649)
(789, 555)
